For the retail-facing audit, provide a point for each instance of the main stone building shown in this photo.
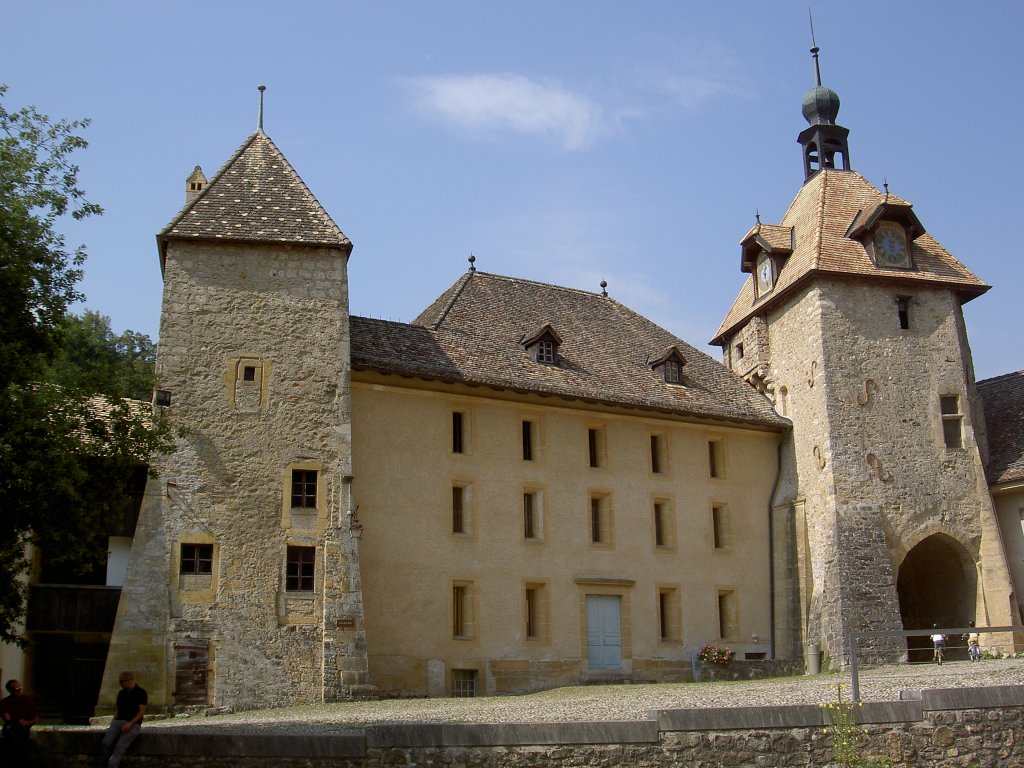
(531, 485)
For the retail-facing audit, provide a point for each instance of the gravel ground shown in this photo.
(602, 702)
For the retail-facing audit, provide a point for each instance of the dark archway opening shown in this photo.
(937, 584)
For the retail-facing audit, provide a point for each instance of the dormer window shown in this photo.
(546, 351)
(669, 366)
(542, 345)
(673, 372)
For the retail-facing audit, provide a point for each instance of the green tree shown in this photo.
(67, 452)
(92, 358)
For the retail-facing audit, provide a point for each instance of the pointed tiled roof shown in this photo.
(256, 197)
(821, 217)
(1003, 398)
(474, 333)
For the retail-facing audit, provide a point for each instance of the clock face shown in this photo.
(765, 276)
(891, 246)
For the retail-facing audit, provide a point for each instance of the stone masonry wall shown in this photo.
(875, 477)
(254, 351)
(941, 729)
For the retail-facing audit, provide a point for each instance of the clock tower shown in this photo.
(851, 320)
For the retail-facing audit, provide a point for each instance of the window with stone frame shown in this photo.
(300, 569)
(463, 610)
(304, 484)
(728, 619)
(533, 521)
(196, 559)
(721, 526)
(952, 421)
(602, 524)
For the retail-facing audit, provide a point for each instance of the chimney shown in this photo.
(194, 184)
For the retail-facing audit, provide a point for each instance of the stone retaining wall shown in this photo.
(950, 728)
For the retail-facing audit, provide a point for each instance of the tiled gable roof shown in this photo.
(1003, 398)
(256, 197)
(821, 216)
(473, 333)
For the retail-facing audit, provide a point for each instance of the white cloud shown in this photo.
(486, 102)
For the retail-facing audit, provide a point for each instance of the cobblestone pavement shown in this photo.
(604, 702)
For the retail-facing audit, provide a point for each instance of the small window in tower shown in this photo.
(952, 421)
(739, 351)
(249, 373)
(903, 311)
(196, 558)
(301, 569)
(304, 488)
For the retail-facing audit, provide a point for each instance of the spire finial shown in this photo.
(604, 288)
(885, 184)
(472, 261)
(757, 215)
(814, 49)
(259, 124)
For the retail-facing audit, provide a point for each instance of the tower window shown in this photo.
(952, 421)
(249, 373)
(196, 558)
(903, 311)
(304, 488)
(657, 453)
(301, 569)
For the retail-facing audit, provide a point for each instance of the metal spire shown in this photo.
(814, 49)
(259, 125)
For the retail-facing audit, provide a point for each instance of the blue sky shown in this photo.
(568, 142)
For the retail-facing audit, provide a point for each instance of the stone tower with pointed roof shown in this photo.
(244, 582)
(850, 319)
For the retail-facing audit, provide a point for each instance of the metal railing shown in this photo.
(855, 637)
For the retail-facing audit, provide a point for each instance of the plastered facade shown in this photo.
(405, 470)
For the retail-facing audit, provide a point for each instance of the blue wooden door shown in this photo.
(604, 635)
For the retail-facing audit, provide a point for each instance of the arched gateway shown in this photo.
(937, 584)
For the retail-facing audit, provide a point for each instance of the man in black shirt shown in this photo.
(127, 722)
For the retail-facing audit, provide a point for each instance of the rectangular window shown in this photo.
(301, 569)
(669, 619)
(739, 351)
(463, 683)
(952, 421)
(659, 524)
(595, 446)
(531, 515)
(458, 513)
(715, 465)
(728, 628)
(196, 558)
(657, 453)
(527, 440)
(545, 351)
(673, 372)
(462, 610)
(535, 608)
(457, 432)
(600, 520)
(249, 373)
(721, 526)
(304, 488)
(903, 311)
